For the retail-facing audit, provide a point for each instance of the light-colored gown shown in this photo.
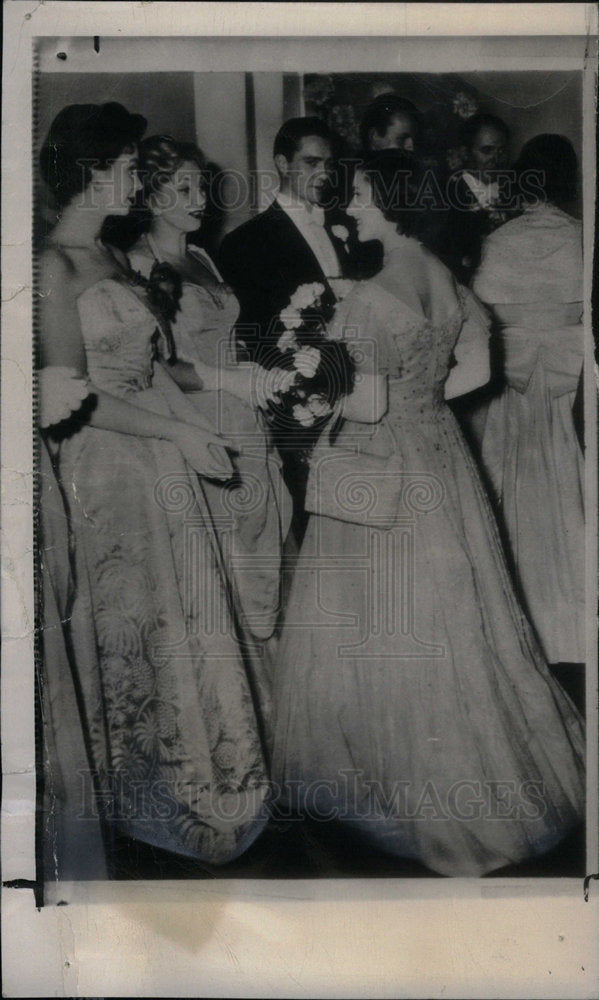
(412, 700)
(73, 845)
(165, 677)
(531, 275)
(252, 514)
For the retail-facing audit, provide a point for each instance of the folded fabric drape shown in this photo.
(560, 350)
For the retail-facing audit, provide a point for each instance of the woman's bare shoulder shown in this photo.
(56, 271)
(69, 271)
(55, 256)
(443, 294)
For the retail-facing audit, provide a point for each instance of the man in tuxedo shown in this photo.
(474, 195)
(267, 258)
(289, 244)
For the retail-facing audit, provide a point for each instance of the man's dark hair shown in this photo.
(288, 138)
(380, 114)
(472, 126)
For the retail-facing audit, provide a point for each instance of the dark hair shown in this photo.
(380, 114)
(83, 136)
(160, 156)
(472, 126)
(291, 133)
(552, 158)
(395, 181)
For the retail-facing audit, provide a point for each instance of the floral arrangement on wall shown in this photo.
(323, 97)
(441, 123)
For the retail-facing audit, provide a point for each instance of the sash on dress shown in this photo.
(551, 335)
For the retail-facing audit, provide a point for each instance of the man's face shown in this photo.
(305, 175)
(399, 135)
(489, 149)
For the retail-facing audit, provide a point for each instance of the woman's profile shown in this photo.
(174, 741)
(412, 700)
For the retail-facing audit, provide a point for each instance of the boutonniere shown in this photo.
(341, 233)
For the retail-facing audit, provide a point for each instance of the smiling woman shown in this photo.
(421, 676)
(173, 739)
(174, 190)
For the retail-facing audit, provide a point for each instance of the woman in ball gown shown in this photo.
(174, 739)
(73, 844)
(252, 514)
(531, 276)
(412, 700)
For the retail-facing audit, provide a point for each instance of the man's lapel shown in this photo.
(340, 241)
(305, 261)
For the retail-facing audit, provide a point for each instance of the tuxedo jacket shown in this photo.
(464, 228)
(264, 261)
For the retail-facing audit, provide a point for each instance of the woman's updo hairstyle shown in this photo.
(83, 136)
(395, 180)
(552, 160)
(160, 156)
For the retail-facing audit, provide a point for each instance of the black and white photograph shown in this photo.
(314, 465)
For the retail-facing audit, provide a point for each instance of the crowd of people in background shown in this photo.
(224, 642)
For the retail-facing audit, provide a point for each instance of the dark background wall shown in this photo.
(166, 99)
(210, 107)
(529, 102)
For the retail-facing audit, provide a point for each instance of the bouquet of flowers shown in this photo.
(324, 370)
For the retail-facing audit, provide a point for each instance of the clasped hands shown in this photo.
(208, 454)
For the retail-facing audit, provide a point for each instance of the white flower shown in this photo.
(318, 405)
(303, 415)
(291, 319)
(306, 361)
(287, 341)
(341, 233)
(464, 106)
(306, 296)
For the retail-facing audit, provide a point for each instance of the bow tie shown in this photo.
(316, 216)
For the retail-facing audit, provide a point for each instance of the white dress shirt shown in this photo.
(487, 195)
(309, 220)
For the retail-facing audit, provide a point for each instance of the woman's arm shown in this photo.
(195, 377)
(249, 381)
(62, 344)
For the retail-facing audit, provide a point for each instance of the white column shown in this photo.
(221, 135)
